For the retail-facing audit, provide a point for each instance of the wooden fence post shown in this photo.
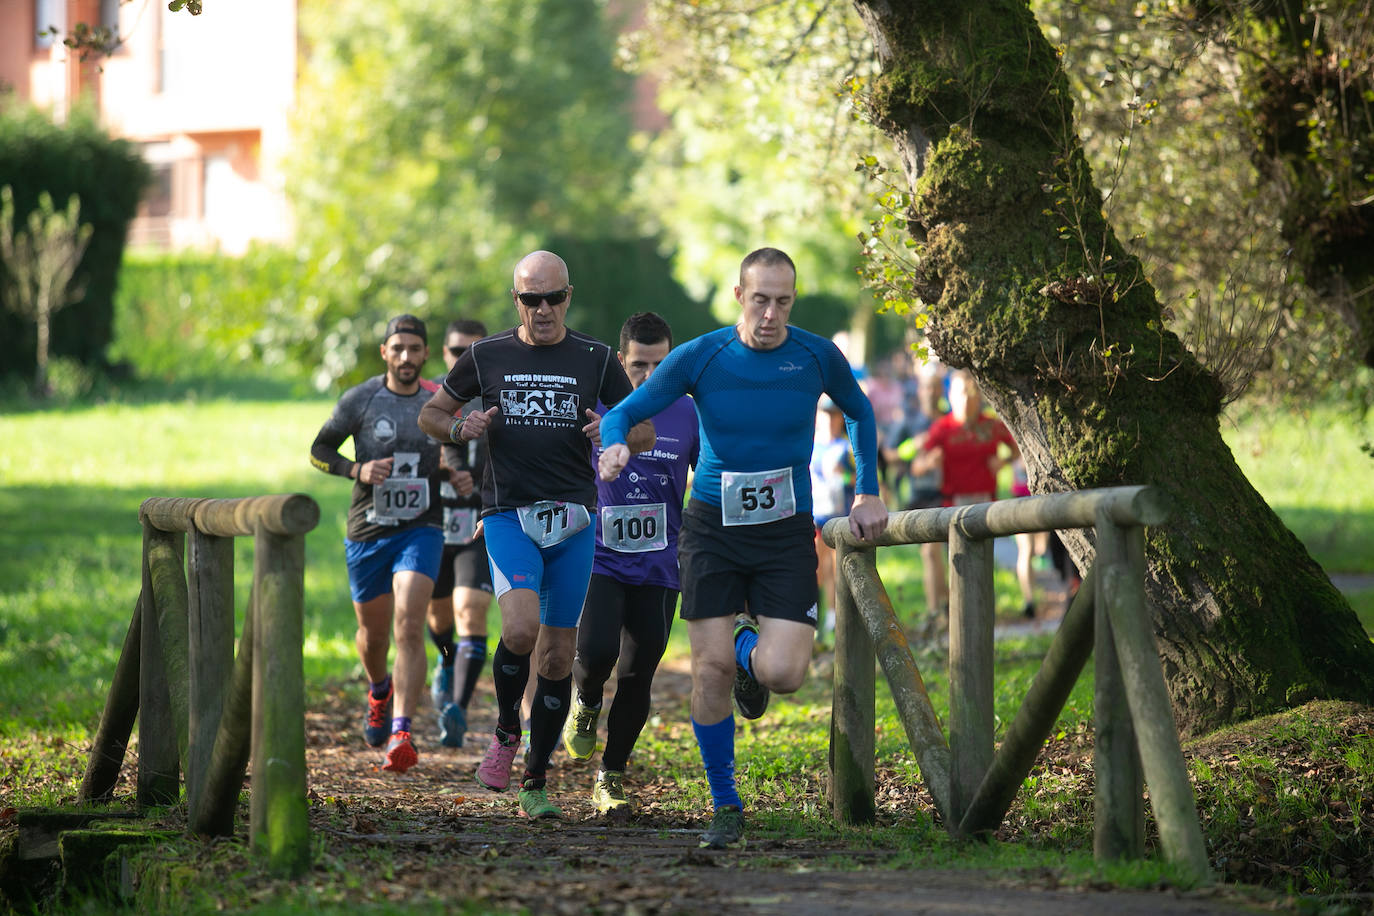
(914, 708)
(159, 774)
(228, 760)
(852, 708)
(1161, 757)
(279, 816)
(971, 611)
(1119, 811)
(1073, 643)
(117, 721)
(210, 643)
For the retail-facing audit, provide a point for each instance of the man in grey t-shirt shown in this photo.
(394, 537)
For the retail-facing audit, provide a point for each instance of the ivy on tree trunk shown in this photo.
(1027, 285)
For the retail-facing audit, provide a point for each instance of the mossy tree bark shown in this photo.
(1028, 286)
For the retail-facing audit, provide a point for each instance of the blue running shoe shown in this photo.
(377, 723)
(453, 725)
(751, 697)
(441, 687)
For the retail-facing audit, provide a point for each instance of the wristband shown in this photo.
(455, 431)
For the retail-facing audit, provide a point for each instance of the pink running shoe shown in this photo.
(494, 770)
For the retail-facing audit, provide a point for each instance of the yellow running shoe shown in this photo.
(579, 732)
(608, 795)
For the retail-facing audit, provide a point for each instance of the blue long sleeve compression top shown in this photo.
(757, 408)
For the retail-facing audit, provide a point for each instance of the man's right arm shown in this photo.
(438, 418)
(324, 451)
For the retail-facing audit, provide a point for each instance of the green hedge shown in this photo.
(108, 176)
(188, 315)
(185, 316)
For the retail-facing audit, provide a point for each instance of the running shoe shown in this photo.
(400, 753)
(579, 731)
(535, 804)
(377, 724)
(453, 725)
(608, 795)
(751, 697)
(494, 770)
(441, 685)
(726, 830)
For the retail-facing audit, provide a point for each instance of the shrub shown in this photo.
(37, 155)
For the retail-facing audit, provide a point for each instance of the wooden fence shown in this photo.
(201, 709)
(1135, 743)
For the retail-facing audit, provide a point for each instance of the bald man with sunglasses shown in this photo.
(537, 385)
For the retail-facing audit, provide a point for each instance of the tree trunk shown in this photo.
(1027, 286)
(44, 322)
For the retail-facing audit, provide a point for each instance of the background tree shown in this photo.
(1026, 283)
(39, 263)
(1176, 105)
(107, 175)
(760, 149)
(439, 141)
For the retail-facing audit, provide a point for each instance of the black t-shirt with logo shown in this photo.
(535, 446)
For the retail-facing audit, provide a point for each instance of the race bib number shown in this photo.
(756, 497)
(635, 529)
(398, 500)
(402, 496)
(550, 521)
(459, 525)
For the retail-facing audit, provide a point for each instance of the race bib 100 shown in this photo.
(635, 529)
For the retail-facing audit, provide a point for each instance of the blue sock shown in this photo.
(744, 649)
(400, 724)
(717, 744)
(380, 688)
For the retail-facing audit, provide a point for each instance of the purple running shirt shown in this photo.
(639, 513)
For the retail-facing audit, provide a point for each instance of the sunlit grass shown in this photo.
(1312, 470)
(71, 482)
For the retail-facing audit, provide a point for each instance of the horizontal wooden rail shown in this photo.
(291, 513)
(1122, 505)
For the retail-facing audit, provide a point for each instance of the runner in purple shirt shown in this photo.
(634, 587)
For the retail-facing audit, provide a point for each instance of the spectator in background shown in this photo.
(1029, 544)
(832, 495)
(966, 445)
(921, 490)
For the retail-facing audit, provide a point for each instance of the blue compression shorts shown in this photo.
(371, 564)
(559, 574)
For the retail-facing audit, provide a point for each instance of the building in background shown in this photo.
(207, 98)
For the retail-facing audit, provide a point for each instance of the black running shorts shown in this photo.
(463, 565)
(769, 569)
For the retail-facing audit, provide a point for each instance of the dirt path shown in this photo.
(447, 830)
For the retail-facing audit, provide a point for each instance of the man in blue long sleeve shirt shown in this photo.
(747, 536)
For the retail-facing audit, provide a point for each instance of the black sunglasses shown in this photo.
(457, 351)
(532, 300)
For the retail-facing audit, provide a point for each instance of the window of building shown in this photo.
(109, 14)
(49, 16)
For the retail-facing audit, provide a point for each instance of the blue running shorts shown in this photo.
(559, 573)
(371, 564)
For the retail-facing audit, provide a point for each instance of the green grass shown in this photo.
(1313, 471)
(72, 480)
(70, 540)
